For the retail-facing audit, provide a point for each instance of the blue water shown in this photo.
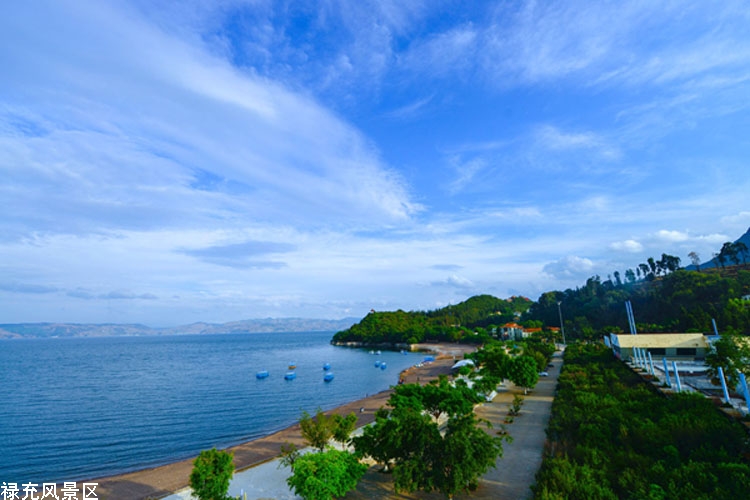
(73, 409)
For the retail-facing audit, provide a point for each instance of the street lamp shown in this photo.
(562, 327)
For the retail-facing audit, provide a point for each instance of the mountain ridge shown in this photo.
(258, 325)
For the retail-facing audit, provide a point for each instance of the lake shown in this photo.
(81, 408)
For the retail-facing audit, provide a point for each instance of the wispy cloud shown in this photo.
(570, 267)
(551, 137)
(214, 160)
(466, 171)
(122, 145)
(243, 255)
(29, 288)
(410, 110)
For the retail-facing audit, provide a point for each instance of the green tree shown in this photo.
(695, 258)
(212, 471)
(466, 453)
(629, 276)
(343, 426)
(732, 353)
(741, 249)
(524, 372)
(327, 475)
(493, 360)
(408, 439)
(317, 431)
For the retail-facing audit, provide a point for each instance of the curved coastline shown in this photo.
(161, 481)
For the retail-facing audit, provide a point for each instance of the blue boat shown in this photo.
(262, 374)
(290, 376)
(327, 366)
(382, 365)
(328, 377)
(377, 364)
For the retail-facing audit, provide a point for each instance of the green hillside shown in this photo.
(682, 301)
(456, 322)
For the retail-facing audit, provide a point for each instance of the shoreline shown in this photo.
(163, 480)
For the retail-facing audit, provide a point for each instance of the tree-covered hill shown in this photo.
(454, 322)
(683, 301)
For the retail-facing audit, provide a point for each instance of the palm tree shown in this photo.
(644, 270)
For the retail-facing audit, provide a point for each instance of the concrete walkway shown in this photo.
(515, 470)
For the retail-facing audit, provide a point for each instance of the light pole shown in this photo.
(562, 327)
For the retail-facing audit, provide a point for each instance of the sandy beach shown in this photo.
(164, 480)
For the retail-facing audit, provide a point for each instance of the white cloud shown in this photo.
(569, 267)
(671, 236)
(630, 246)
(116, 155)
(738, 219)
(715, 238)
(455, 281)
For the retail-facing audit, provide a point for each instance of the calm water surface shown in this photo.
(74, 409)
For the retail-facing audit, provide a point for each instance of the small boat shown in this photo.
(377, 353)
(327, 366)
(292, 366)
(262, 374)
(377, 364)
(383, 365)
(328, 377)
(290, 376)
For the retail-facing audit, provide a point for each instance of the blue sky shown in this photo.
(214, 161)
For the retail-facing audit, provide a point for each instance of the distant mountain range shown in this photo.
(714, 262)
(267, 325)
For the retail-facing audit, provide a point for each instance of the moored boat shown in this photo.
(328, 377)
(262, 374)
(292, 366)
(377, 364)
(327, 366)
(383, 365)
(290, 376)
